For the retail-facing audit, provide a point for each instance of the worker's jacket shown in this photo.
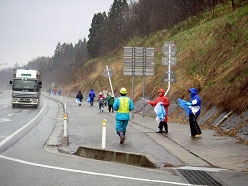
(123, 105)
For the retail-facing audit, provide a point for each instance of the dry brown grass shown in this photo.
(212, 57)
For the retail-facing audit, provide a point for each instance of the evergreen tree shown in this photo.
(97, 26)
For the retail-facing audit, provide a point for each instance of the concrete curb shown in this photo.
(128, 158)
(116, 156)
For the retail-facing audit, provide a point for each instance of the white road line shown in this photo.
(92, 173)
(11, 114)
(23, 127)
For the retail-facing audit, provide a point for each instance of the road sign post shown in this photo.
(138, 61)
(108, 73)
(169, 49)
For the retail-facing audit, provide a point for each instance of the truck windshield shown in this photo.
(25, 84)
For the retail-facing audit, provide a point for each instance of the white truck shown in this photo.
(26, 85)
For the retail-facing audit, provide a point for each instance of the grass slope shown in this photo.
(212, 57)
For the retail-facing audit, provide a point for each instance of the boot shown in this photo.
(122, 137)
(119, 133)
(165, 127)
(160, 126)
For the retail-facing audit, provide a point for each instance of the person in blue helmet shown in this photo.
(122, 105)
(92, 95)
(195, 109)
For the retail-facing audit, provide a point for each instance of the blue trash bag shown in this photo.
(88, 100)
(184, 105)
(161, 112)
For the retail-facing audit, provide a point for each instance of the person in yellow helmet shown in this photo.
(122, 105)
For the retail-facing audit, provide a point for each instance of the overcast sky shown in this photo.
(32, 28)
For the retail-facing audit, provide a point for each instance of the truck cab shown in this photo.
(26, 86)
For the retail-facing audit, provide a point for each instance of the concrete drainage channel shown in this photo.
(117, 157)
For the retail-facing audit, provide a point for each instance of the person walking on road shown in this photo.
(92, 95)
(79, 97)
(166, 103)
(110, 100)
(49, 91)
(101, 99)
(122, 105)
(195, 109)
(59, 92)
(105, 94)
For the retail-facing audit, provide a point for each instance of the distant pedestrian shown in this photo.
(92, 96)
(101, 99)
(59, 92)
(79, 97)
(49, 91)
(122, 105)
(165, 102)
(105, 94)
(195, 108)
(110, 100)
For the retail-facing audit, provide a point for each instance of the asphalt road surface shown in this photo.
(25, 162)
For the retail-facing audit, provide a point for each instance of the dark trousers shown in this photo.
(101, 105)
(91, 101)
(194, 128)
(110, 107)
(161, 125)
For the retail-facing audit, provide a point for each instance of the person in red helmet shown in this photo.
(105, 94)
(166, 103)
(101, 99)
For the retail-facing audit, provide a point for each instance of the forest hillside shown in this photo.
(212, 41)
(212, 57)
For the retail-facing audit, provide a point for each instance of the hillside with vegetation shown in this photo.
(212, 57)
(212, 41)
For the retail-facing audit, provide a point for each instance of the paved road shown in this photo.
(24, 161)
(220, 156)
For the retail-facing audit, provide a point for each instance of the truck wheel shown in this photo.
(35, 106)
(13, 105)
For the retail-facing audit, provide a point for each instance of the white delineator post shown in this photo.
(65, 137)
(65, 122)
(103, 134)
(65, 125)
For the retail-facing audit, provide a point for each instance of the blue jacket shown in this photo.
(195, 100)
(122, 116)
(92, 94)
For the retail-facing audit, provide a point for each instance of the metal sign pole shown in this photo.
(169, 71)
(138, 61)
(110, 81)
(133, 60)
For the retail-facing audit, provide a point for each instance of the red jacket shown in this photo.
(164, 100)
(101, 98)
